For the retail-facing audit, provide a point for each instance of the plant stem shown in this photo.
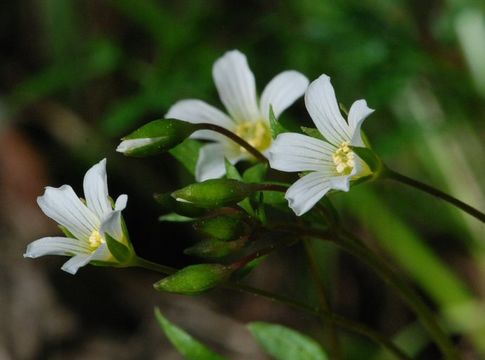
(333, 340)
(340, 321)
(240, 141)
(391, 174)
(354, 246)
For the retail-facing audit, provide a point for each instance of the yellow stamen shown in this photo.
(95, 240)
(256, 133)
(344, 159)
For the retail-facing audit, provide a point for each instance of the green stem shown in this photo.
(342, 322)
(333, 340)
(354, 246)
(391, 174)
(238, 140)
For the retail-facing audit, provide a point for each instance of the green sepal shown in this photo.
(256, 173)
(284, 343)
(166, 133)
(190, 348)
(119, 251)
(275, 125)
(370, 158)
(194, 279)
(312, 132)
(214, 249)
(223, 227)
(169, 204)
(174, 217)
(214, 193)
(231, 171)
(66, 232)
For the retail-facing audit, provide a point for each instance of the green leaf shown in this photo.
(120, 252)
(174, 217)
(190, 348)
(275, 125)
(314, 133)
(286, 344)
(256, 173)
(187, 153)
(370, 158)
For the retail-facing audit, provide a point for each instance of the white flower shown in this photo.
(88, 221)
(331, 164)
(237, 90)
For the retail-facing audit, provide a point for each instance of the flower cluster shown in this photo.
(326, 160)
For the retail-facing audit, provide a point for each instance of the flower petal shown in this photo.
(102, 253)
(297, 152)
(112, 226)
(96, 190)
(282, 91)
(357, 114)
(236, 86)
(323, 108)
(306, 192)
(210, 164)
(56, 246)
(63, 206)
(73, 264)
(120, 203)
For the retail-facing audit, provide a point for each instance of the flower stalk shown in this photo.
(393, 175)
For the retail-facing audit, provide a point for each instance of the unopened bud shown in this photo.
(222, 227)
(194, 279)
(169, 204)
(213, 249)
(156, 137)
(215, 193)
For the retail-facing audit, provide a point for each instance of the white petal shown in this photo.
(323, 108)
(102, 253)
(198, 111)
(120, 203)
(357, 114)
(56, 246)
(297, 152)
(210, 164)
(282, 91)
(63, 206)
(126, 146)
(112, 226)
(236, 86)
(96, 190)
(73, 264)
(306, 192)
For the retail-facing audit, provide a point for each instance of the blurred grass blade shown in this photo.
(190, 348)
(286, 344)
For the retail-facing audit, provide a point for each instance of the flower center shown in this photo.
(343, 158)
(95, 240)
(256, 134)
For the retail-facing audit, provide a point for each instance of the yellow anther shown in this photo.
(256, 133)
(95, 240)
(344, 159)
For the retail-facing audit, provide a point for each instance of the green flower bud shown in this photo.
(215, 193)
(169, 204)
(156, 137)
(213, 249)
(194, 279)
(223, 227)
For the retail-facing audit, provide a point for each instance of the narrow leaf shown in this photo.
(190, 348)
(173, 217)
(286, 344)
